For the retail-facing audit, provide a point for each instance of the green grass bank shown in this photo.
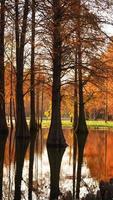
(90, 124)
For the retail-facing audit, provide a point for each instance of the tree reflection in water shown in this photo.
(3, 139)
(21, 147)
(55, 155)
(31, 161)
(97, 155)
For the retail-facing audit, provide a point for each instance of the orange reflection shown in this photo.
(98, 153)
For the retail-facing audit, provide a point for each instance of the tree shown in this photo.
(3, 124)
(21, 124)
(32, 91)
(55, 136)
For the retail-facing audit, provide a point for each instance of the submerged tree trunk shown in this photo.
(21, 125)
(55, 132)
(33, 125)
(3, 124)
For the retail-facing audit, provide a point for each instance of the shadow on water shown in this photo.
(55, 155)
(20, 151)
(31, 161)
(3, 139)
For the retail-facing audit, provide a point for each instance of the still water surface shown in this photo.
(98, 165)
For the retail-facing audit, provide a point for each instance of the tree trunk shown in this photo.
(21, 125)
(3, 124)
(81, 126)
(38, 103)
(33, 125)
(55, 136)
(81, 130)
(11, 87)
(75, 121)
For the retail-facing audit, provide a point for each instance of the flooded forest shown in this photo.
(56, 99)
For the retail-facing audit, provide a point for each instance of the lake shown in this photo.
(98, 164)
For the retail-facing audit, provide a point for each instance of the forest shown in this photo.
(56, 99)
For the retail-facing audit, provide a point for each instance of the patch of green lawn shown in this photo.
(100, 123)
(65, 123)
(90, 123)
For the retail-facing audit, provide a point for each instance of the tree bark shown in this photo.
(55, 136)
(75, 121)
(81, 126)
(3, 124)
(11, 86)
(37, 103)
(33, 125)
(81, 130)
(21, 124)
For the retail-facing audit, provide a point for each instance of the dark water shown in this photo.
(98, 164)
